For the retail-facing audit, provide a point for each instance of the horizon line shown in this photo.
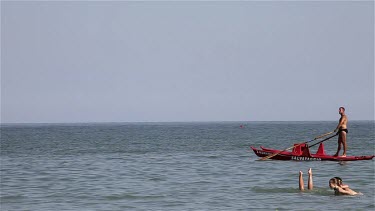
(196, 121)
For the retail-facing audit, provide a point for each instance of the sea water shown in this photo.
(177, 166)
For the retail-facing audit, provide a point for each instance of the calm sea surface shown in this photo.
(176, 166)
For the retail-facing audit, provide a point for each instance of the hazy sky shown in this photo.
(92, 61)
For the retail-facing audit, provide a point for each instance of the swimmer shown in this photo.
(334, 183)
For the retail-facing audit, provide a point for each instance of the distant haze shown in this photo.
(125, 61)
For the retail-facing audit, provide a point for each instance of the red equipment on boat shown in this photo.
(302, 152)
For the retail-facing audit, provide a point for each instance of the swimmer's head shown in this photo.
(339, 181)
(333, 183)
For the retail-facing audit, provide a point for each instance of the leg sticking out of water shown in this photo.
(310, 184)
(310, 181)
(301, 181)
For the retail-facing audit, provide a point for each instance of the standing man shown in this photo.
(342, 130)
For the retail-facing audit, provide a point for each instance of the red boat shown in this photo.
(302, 152)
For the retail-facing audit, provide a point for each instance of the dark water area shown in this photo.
(176, 166)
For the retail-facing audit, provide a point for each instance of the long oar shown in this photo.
(273, 155)
(323, 140)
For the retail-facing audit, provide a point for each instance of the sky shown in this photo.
(178, 61)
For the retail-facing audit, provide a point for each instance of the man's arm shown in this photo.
(344, 186)
(343, 191)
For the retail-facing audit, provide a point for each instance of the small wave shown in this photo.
(213, 156)
(315, 191)
(202, 182)
(321, 192)
(371, 206)
(208, 156)
(258, 189)
(132, 196)
(157, 179)
(11, 197)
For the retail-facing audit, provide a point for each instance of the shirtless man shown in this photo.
(342, 130)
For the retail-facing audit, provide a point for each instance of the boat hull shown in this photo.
(288, 155)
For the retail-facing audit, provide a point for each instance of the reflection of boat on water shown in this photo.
(302, 152)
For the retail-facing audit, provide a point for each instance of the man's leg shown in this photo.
(339, 140)
(343, 141)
